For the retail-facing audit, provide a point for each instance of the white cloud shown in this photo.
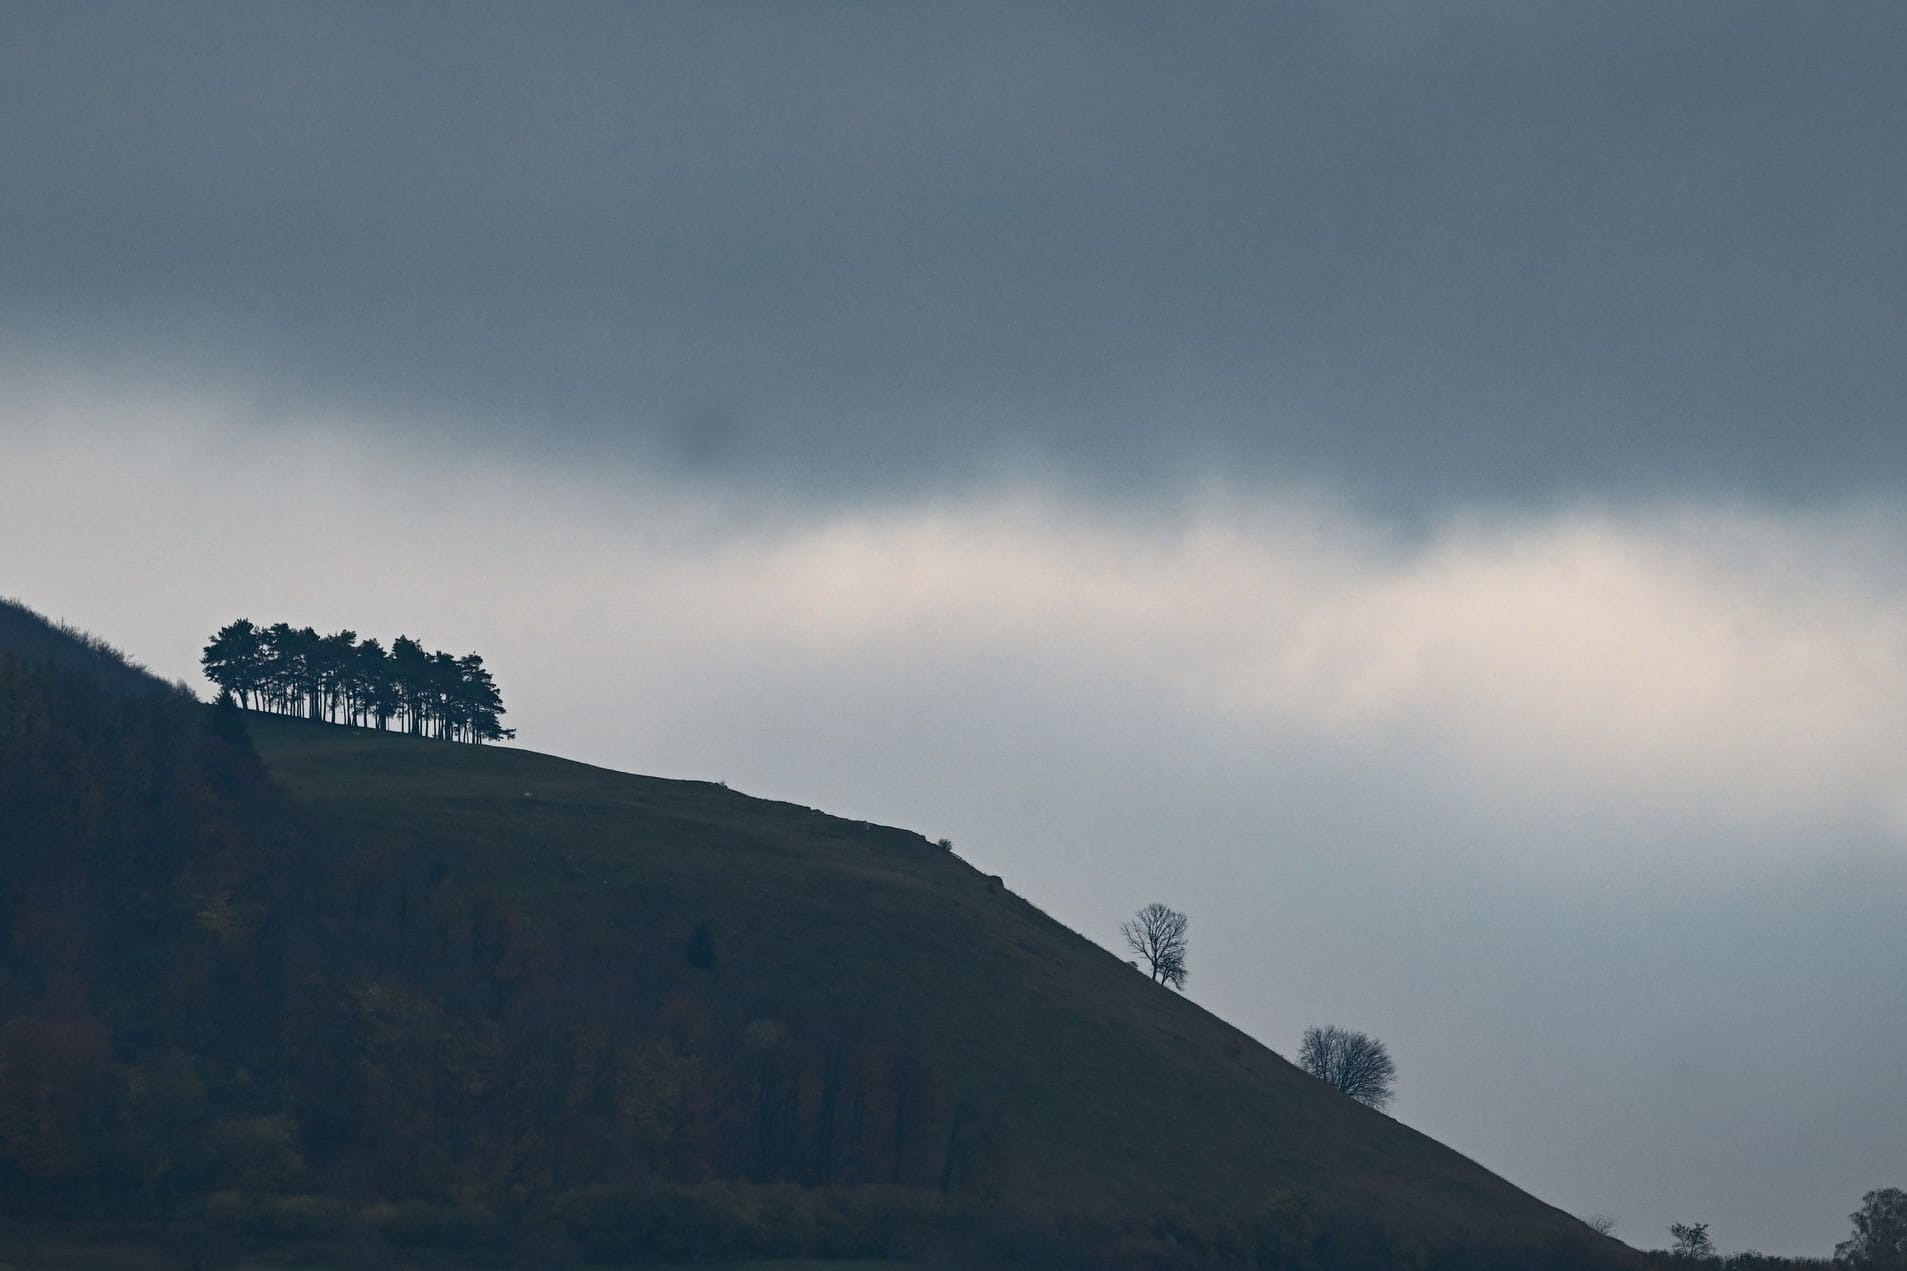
(1718, 667)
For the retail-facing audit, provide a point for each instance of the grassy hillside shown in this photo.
(277, 991)
(1078, 1084)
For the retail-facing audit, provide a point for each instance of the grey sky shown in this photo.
(1425, 251)
(1414, 486)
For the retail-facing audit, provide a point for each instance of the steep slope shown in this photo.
(35, 638)
(1063, 1079)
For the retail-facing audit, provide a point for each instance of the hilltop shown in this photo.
(370, 991)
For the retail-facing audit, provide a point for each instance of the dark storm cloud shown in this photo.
(1424, 253)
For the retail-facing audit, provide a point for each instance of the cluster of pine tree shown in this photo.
(338, 678)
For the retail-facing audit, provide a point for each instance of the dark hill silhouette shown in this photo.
(37, 638)
(398, 999)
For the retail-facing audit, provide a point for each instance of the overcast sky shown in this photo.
(1416, 486)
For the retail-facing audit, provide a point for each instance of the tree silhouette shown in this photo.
(1879, 1242)
(235, 660)
(410, 670)
(278, 668)
(334, 659)
(1691, 1240)
(1157, 934)
(479, 703)
(377, 687)
(1351, 1062)
(339, 679)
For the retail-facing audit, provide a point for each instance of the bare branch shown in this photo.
(1352, 1063)
(1157, 935)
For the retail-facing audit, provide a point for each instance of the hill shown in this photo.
(1107, 1090)
(32, 636)
(279, 984)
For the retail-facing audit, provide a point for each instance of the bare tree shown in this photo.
(1157, 934)
(1349, 1062)
(1601, 1224)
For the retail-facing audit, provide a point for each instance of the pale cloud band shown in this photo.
(1721, 667)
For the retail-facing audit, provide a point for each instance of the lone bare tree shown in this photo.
(1349, 1062)
(1157, 934)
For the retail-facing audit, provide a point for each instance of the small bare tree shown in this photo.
(1350, 1062)
(1157, 934)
